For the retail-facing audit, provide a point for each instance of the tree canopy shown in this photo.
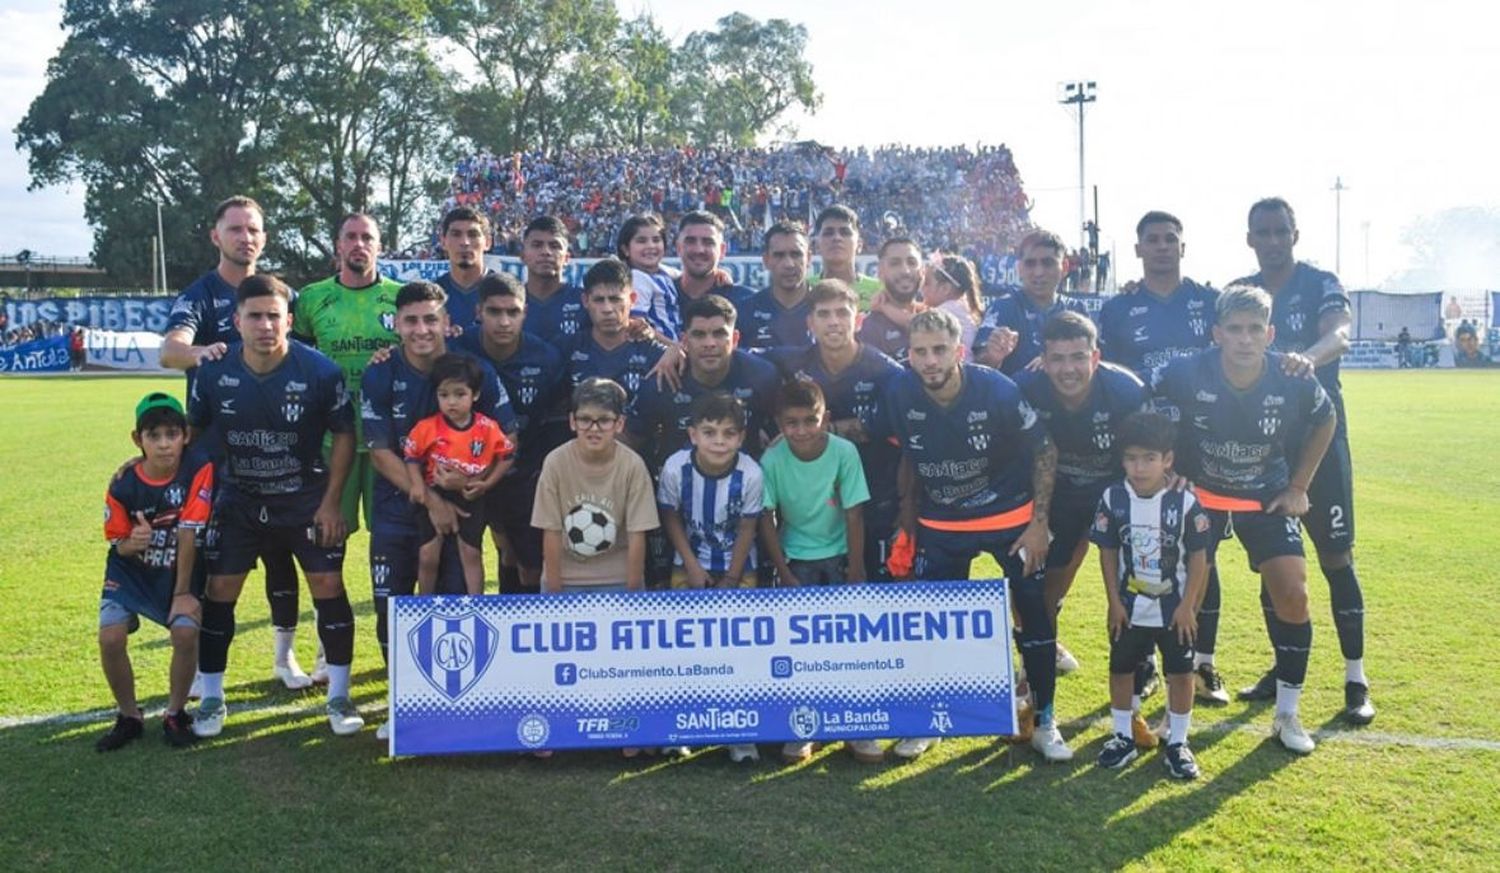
(321, 108)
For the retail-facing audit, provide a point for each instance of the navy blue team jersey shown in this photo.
(206, 310)
(1295, 312)
(1088, 458)
(858, 391)
(974, 458)
(463, 303)
(560, 318)
(394, 396)
(764, 322)
(270, 427)
(1145, 333)
(536, 384)
(738, 296)
(627, 363)
(1233, 442)
(661, 416)
(890, 338)
(1016, 311)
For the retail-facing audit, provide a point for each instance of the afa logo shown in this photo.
(453, 651)
(804, 722)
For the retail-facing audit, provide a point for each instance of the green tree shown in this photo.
(738, 80)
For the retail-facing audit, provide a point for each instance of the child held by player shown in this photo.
(470, 442)
(1153, 549)
(642, 243)
(152, 514)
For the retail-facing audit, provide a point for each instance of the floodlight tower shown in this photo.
(1079, 93)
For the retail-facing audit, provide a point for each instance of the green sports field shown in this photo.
(1419, 787)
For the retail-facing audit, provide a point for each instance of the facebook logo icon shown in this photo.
(565, 674)
(781, 667)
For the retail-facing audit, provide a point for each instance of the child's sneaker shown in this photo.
(745, 752)
(1179, 762)
(914, 747)
(866, 751)
(1067, 662)
(178, 729)
(210, 719)
(125, 731)
(676, 751)
(1118, 751)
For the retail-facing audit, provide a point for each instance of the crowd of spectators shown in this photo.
(34, 331)
(956, 199)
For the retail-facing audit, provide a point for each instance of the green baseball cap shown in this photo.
(157, 400)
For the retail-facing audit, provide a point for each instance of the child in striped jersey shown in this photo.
(1153, 548)
(710, 499)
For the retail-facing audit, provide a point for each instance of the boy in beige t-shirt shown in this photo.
(594, 501)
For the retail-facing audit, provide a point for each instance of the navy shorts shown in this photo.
(820, 571)
(245, 531)
(133, 591)
(508, 507)
(1263, 536)
(880, 530)
(1069, 524)
(393, 564)
(1136, 644)
(946, 555)
(470, 527)
(1330, 522)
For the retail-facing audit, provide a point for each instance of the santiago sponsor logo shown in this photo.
(715, 719)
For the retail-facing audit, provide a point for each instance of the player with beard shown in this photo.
(982, 467)
(1010, 335)
(901, 274)
(465, 236)
(199, 329)
(700, 247)
(1311, 315)
(347, 317)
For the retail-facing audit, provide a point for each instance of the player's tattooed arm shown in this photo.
(1033, 542)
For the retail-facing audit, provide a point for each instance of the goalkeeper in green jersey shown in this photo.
(348, 316)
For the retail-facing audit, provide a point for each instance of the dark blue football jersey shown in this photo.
(661, 416)
(858, 391)
(536, 383)
(1295, 312)
(973, 458)
(394, 396)
(1238, 443)
(463, 303)
(1144, 332)
(738, 295)
(627, 363)
(270, 427)
(560, 318)
(890, 338)
(765, 323)
(206, 310)
(1088, 457)
(1016, 311)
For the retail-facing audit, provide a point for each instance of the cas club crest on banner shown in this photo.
(454, 650)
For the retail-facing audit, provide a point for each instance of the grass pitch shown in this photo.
(1418, 788)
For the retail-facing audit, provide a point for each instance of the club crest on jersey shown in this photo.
(1199, 326)
(453, 651)
(388, 320)
(1295, 322)
(174, 494)
(1104, 439)
(1170, 518)
(1270, 422)
(476, 447)
(292, 411)
(979, 441)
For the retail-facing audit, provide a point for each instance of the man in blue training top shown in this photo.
(1311, 314)
(777, 316)
(1250, 438)
(1167, 316)
(700, 247)
(201, 328)
(465, 237)
(532, 372)
(270, 402)
(554, 308)
(982, 470)
(605, 350)
(1010, 336)
(1081, 402)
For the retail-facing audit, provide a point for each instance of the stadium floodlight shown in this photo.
(1078, 94)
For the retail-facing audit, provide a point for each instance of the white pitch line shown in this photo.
(1335, 735)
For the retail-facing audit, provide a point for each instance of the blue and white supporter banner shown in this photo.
(49, 355)
(562, 671)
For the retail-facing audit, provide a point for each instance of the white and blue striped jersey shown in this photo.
(1154, 536)
(711, 506)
